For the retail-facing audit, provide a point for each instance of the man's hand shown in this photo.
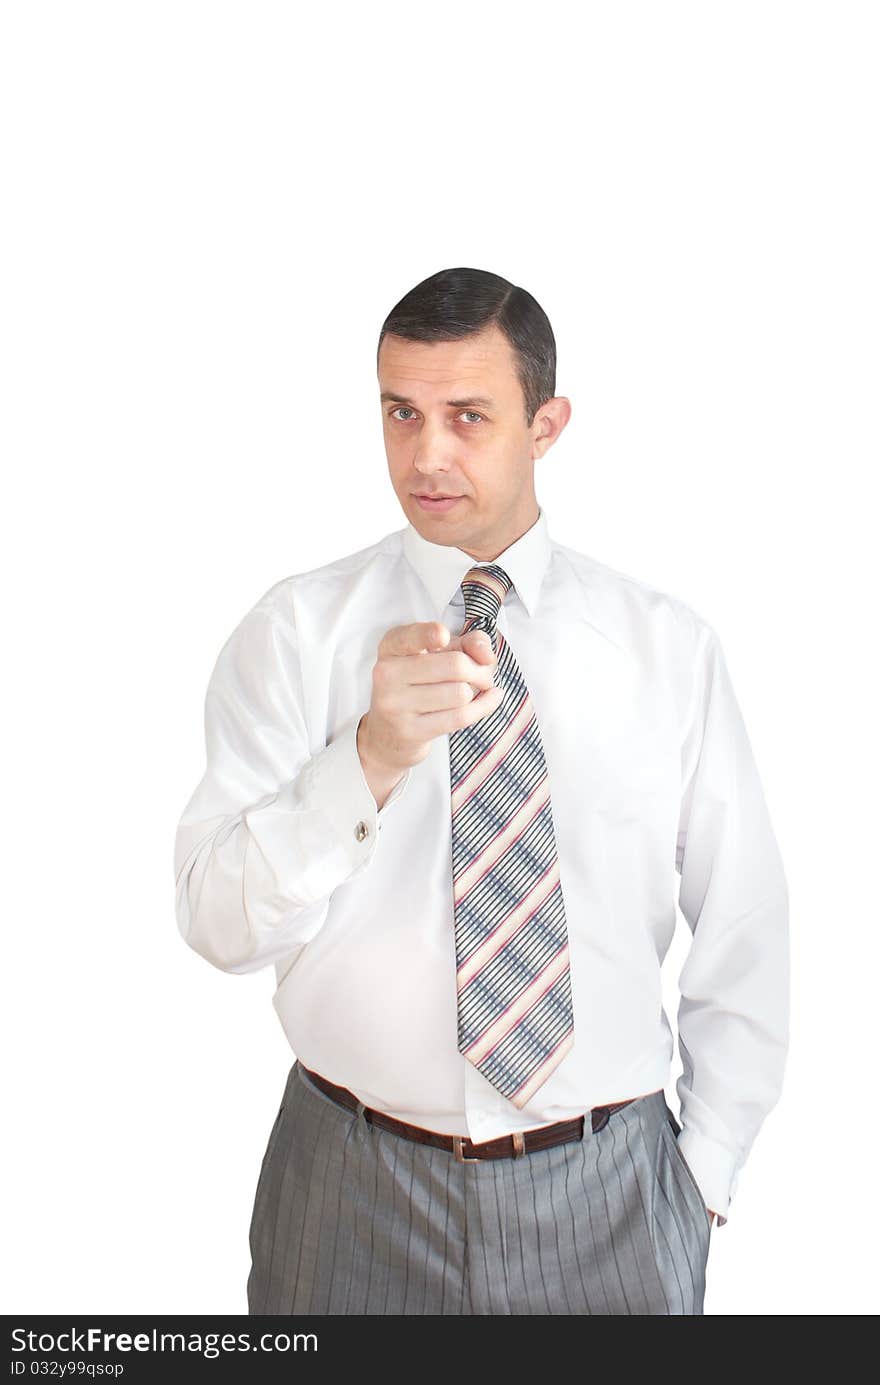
(711, 1215)
(426, 682)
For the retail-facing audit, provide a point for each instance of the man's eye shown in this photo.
(472, 414)
(402, 409)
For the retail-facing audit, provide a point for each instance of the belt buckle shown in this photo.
(462, 1158)
(519, 1148)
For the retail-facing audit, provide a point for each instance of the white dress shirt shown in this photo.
(282, 857)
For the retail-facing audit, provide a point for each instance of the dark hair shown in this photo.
(455, 303)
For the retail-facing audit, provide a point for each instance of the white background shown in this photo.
(208, 211)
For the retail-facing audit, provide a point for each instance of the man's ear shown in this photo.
(549, 422)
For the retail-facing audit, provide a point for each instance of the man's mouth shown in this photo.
(437, 502)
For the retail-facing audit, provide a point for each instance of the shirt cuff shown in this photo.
(339, 787)
(714, 1167)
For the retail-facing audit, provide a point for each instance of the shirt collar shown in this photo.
(443, 567)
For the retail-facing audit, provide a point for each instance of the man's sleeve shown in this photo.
(271, 830)
(733, 1018)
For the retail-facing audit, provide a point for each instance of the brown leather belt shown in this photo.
(504, 1147)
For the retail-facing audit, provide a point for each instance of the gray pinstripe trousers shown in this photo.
(349, 1219)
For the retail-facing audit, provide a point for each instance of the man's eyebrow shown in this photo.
(482, 400)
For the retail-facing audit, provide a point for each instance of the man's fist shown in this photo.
(426, 682)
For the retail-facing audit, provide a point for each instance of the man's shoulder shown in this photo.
(331, 579)
(627, 602)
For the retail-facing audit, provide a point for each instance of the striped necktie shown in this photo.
(515, 1020)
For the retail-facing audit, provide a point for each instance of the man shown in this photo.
(450, 779)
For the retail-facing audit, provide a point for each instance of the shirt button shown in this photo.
(361, 831)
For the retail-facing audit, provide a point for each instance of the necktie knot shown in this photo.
(484, 589)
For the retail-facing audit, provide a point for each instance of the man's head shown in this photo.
(467, 372)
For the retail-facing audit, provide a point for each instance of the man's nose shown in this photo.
(435, 449)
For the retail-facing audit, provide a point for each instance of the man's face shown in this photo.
(454, 422)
